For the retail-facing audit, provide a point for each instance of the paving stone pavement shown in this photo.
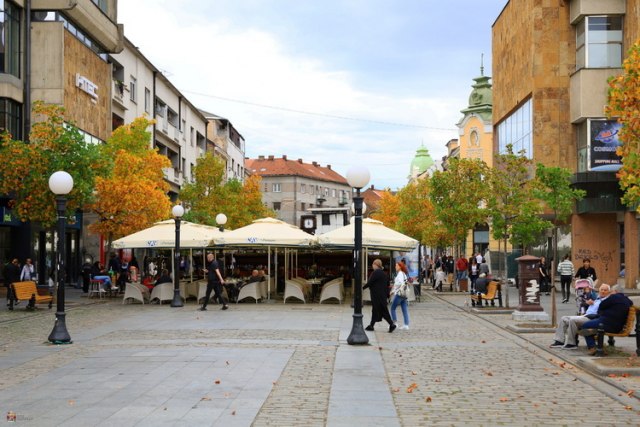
(289, 365)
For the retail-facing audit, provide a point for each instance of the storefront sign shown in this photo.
(86, 85)
(603, 139)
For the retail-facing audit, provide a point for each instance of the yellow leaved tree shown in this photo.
(134, 195)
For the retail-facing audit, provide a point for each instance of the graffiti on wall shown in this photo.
(604, 257)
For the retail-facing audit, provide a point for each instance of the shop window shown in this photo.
(599, 42)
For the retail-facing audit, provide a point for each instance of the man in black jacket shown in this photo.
(214, 282)
(613, 312)
(11, 275)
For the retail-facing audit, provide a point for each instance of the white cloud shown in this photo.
(213, 57)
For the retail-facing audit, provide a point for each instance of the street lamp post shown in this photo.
(358, 177)
(61, 184)
(177, 212)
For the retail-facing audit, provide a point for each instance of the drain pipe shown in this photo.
(26, 104)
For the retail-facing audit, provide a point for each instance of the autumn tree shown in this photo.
(134, 194)
(457, 195)
(210, 195)
(624, 104)
(512, 207)
(54, 145)
(388, 211)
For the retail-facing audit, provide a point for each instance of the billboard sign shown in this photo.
(603, 139)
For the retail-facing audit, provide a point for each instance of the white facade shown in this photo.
(180, 130)
(229, 145)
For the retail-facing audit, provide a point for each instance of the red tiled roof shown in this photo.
(271, 166)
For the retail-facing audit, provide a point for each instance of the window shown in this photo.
(192, 172)
(303, 206)
(326, 191)
(303, 188)
(102, 4)
(132, 89)
(326, 219)
(333, 192)
(147, 100)
(192, 137)
(517, 130)
(311, 189)
(276, 188)
(276, 206)
(11, 117)
(10, 39)
(599, 42)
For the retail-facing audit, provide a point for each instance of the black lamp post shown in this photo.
(358, 177)
(177, 212)
(61, 184)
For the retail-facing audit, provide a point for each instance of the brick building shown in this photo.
(551, 61)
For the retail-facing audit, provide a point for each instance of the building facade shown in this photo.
(551, 62)
(228, 144)
(56, 52)
(292, 187)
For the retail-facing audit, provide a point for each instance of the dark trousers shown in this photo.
(216, 287)
(565, 286)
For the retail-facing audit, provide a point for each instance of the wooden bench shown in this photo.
(633, 322)
(494, 292)
(28, 291)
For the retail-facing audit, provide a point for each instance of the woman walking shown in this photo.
(401, 277)
(378, 283)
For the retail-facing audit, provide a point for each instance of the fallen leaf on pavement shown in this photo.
(412, 387)
(217, 381)
(630, 393)
(612, 375)
(413, 373)
(207, 398)
(428, 400)
(71, 402)
(483, 342)
(233, 413)
(504, 399)
(395, 390)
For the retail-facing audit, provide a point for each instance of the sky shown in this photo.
(339, 82)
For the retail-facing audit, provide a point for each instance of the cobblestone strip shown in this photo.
(451, 369)
(301, 395)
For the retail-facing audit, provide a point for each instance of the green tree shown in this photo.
(624, 104)
(210, 195)
(54, 144)
(513, 209)
(553, 187)
(134, 194)
(457, 195)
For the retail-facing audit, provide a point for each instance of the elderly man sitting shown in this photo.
(569, 325)
(613, 312)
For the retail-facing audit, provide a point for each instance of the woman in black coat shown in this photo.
(379, 283)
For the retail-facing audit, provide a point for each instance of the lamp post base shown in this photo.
(177, 300)
(357, 335)
(59, 334)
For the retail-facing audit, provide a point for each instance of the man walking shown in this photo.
(11, 275)
(214, 282)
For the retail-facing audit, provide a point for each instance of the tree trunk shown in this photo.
(505, 276)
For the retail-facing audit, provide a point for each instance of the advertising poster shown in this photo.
(604, 141)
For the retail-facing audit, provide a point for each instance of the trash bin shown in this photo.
(463, 285)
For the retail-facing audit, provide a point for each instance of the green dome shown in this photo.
(421, 162)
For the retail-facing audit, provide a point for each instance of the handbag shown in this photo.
(403, 290)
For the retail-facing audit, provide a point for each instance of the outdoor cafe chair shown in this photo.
(162, 292)
(331, 290)
(250, 290)
(293, 290)
(136, 292)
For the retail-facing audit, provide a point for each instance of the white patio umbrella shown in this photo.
(163, 235)
(374, 236)
(267, 232)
